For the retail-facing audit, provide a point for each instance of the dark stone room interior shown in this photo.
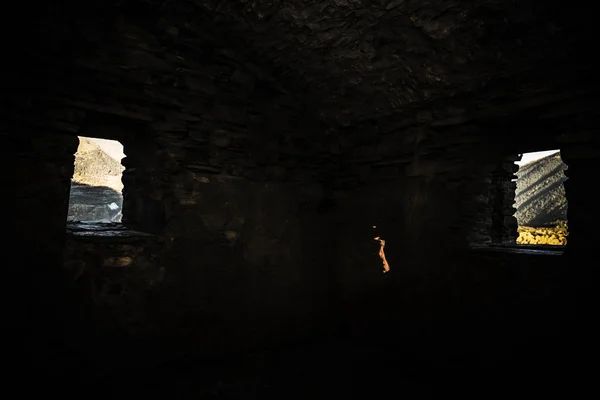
(318, 198)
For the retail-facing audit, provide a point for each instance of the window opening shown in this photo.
(540, 199)
(96, 186)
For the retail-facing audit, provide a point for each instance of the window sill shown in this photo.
(522, 249)
(104, 231)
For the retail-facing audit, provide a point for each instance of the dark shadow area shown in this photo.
(94, 203)
(264, 141)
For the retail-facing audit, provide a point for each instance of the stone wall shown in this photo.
(224, 168)
(261, 215)
(580, 152)
(433, 192)
(502, 201)
(441, 300)
(239, 264)
(45, 315)
(234, 262)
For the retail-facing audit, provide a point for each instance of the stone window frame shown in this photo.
(139, 218)
(499, 233)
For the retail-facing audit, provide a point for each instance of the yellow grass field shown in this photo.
(556, 235)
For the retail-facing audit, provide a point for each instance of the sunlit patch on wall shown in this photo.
(386, 265)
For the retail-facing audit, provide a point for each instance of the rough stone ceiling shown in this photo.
(360, 59)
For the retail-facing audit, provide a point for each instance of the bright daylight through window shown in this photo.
(96, 185)
(540, 199)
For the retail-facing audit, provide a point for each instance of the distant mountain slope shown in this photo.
(540, 196)
(94, 167)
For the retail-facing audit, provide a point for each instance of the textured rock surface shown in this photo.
(94, 203)
(540, 197)
(264, 140)
(94, 167)
(349, 61)
(228, 272)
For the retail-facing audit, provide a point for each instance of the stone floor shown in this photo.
(367, 367)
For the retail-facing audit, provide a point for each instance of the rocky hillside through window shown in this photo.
(96, 185)
(541, 202)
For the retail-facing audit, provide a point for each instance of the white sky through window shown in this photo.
(529, 157)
